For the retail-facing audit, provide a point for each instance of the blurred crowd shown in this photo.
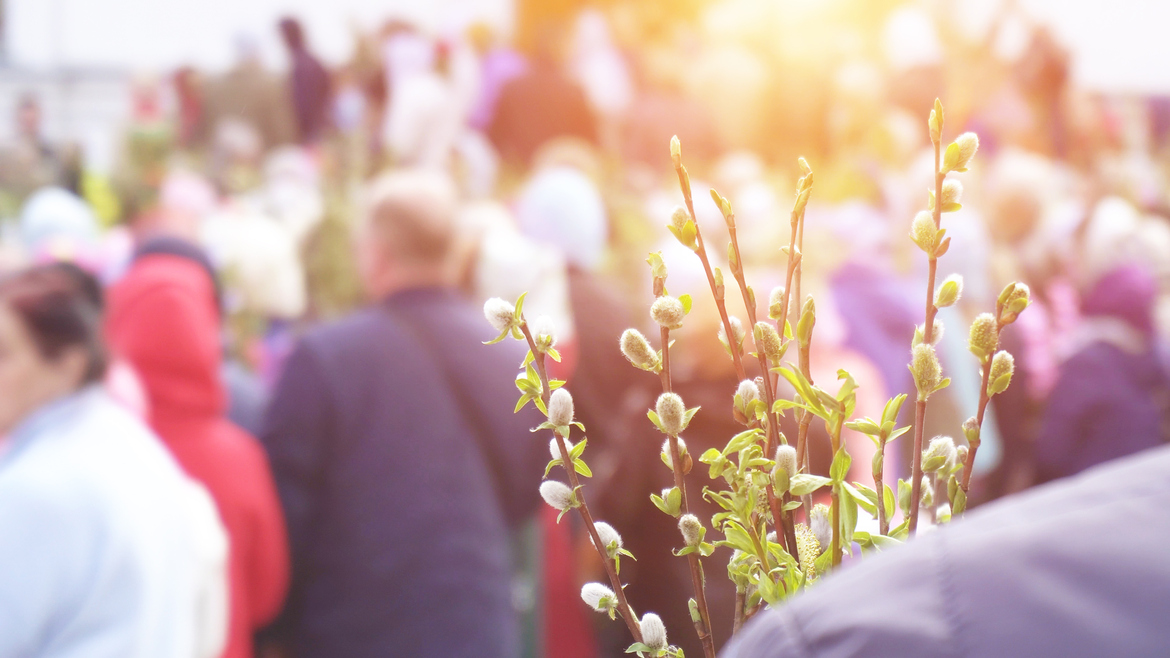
(292, 256)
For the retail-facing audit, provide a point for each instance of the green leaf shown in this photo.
(686, 303)
(840, 467)
(806, 483)
(867, 499)
(893, 407)
(674, 501)
(865, 426)
(888, 498)
(741, 441)
(736, 537)
(653, 416)
(791, 505)
(638, 647)
(848, 520)
(582, 468)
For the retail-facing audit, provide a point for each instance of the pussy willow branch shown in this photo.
(685, 185)
(786, 531)
(623, 605)
(984, 398)
(703, 626)
(927, 339)
(880, 488)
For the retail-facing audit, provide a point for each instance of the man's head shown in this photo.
(407, 232)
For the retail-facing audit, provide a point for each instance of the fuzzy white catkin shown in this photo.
(748, 391)
(671, 410)
(822, 525)
(560, 407)
(923, 231)
(952, 192)
(926, 369)
(691, 529)
(608, 535)
(637, 349)
(968, 144)
(775, 303)
(653, 632)
(941, 446)
(499, 313)
(926, 501)
(543, 329)
(555, 450)
(668, 312)
(682, 450)
(593, 594)
(1003, 364)
(558, 495)
(786, 459)
(679, 217)
(736, 329)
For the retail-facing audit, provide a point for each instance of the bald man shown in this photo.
(398, 459)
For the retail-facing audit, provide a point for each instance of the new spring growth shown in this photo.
(925, 368)
(691, 529)
(784, 469)
(949, 292)
(935, 123)
(599, 597)
(671, 413)
(822, 525)
(923, 232)
(971, 431)
(1002, 367)
(611, 541)
(560, 409)
(675, 152)
(500, 313)
(940, 455)
(683, 455)
(668, 312)
(961, 453)
(637, 351)
(927, 494)
(807, 548)
(1015, 298)
(653, 632)
(936, 333)
(952, 194)
(558, 495)
(984, 338)
(959, 154)
(808, 318)
(745, 394)
(737, 329)
(543, 333)
(683, 228)
(776, 304)
(554, 447)
(768, 341)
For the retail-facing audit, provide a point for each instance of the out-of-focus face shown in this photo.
(27, 379)
(28, 119)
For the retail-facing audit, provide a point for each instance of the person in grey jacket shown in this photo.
(1073, 568)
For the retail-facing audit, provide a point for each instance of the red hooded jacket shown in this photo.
(163, 320)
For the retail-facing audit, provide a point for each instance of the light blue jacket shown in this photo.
(106, 547)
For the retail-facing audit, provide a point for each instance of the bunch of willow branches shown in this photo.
(779, 543)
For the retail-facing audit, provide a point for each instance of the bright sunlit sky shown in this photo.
(1119, 45)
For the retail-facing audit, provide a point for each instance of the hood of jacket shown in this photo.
(163, 318)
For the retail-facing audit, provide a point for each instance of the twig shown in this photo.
(627, 612)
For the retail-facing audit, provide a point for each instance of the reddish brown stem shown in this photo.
(627, 612)
(984, 398)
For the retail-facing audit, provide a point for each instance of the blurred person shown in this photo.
(398, 459)
(308, 84)
(164, 320)
(108, 548)
(249, 94)
(499, 63)
(540, 104)
(29, 161)
(1112, 395)
(191, 115)
(996, 583)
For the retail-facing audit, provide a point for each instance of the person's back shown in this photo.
(1068, 569)
(400, 463)
(101, 531)
(163, 320)
(540, 104)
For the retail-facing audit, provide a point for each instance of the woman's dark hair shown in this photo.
(61, 307)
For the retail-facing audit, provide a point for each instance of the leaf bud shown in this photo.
(668, 312)
(949, 292)
(935, 123)
(500, 313)
(671, 413)
(558, 495)
(808, 319)
(675, 151)
(926, 499)
(691, 529)
(1016, 301)
(926, 370)
(1002, 367)
(961, 453)
(971, 431)
(560, 408)
(653, 632)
